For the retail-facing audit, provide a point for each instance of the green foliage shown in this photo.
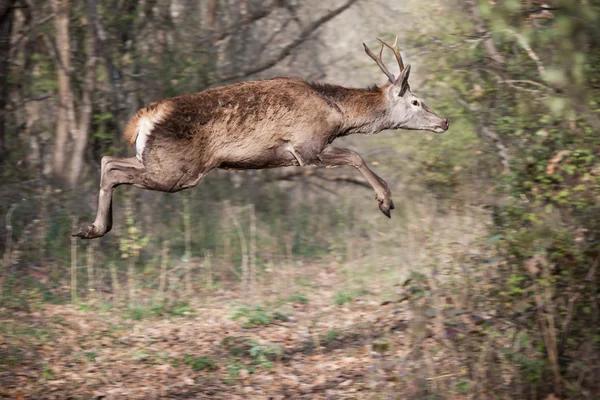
(331, 335)
(252, 315)
(542, 104)
(47, 374)
(137, 313)
(179, 309)
(140, 355)
(233, 371)
(446, 162)
(176, 309)
(199, 363)
(131, 244)
(10, 358)
(261, 353)
(249, 354)
(462, 387)
(343, 297)
(298, 298)
(45, 81)
(91, 355)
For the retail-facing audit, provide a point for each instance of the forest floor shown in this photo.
(331, 332)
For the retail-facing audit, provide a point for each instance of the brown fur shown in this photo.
(258, 111)
(242, 125)
(339, 93)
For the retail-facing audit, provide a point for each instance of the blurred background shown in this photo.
(484, 283)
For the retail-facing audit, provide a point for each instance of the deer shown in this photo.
(258, 124)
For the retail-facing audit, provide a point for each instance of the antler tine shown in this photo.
(394, 48)
(379, 62)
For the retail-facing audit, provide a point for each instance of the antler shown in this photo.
(379, 61)
(394, 48)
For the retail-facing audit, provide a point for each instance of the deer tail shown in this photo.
(131, 129)
(144, 120)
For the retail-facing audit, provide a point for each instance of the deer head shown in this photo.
(405, 110)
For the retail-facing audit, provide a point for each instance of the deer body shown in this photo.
(251, 125)
(269, 123)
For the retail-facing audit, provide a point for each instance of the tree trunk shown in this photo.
(6, 20)
(85, 113)
(61, 21)
(106, 51)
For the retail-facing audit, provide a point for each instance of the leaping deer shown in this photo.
(270, 123)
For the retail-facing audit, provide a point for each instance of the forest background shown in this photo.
(290, 283)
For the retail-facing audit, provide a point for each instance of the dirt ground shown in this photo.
(329, 333)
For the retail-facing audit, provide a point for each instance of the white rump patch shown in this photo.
(145, 127)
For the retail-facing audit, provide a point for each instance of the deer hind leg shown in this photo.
(335, 156)
(290, 148)
(130, 171)
(114, 172)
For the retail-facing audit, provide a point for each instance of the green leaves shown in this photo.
(199, 363)
(252, 315)
(495, 239)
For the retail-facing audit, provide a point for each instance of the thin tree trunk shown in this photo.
(224, 223)
(61, 21)
(131, 277)
(91, 283)
(116, 287)
(208, 269)
(74, 265)
(6, 260)
(252, 212)
(85, 115)
(6, 20)
(187, 232)
(105, 50)
(164, 260)
(243, 247)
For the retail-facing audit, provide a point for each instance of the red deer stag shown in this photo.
(270, 123)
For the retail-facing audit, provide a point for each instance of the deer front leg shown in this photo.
(335, 156)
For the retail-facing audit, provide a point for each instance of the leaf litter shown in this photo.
(321, 350)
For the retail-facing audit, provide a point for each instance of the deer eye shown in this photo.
(415, 103)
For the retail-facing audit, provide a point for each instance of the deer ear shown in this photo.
(402, 81)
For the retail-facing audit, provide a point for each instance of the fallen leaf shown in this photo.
(551, 168)
(346, 383)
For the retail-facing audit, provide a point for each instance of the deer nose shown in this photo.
(445, 124)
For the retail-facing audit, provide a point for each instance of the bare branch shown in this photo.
(510, 82)
(32, 27)
(490, 47)
(105, 48)
(215, 37)
(306, 33)
(20, 104)
(529, 51)
(490, 133)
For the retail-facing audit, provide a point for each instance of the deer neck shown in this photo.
(365, 111)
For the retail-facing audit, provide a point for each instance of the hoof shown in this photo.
(86, 232)
(385, 204)
(386, 209)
